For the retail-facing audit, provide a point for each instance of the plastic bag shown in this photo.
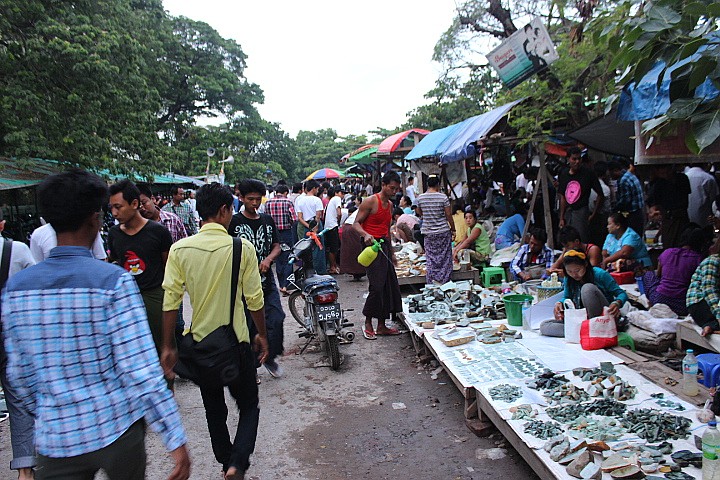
(573, 321)
(599, 332)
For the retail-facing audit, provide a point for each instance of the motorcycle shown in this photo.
(314, 301)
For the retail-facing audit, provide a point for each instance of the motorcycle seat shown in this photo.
(317, 280)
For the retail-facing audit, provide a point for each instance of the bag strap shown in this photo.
(5, 262)
(236, 257)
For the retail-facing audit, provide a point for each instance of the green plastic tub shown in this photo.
(513, 308)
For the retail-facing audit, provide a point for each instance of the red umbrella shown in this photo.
(393, 142)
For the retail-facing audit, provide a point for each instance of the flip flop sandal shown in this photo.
(388, 332)
(369, 334)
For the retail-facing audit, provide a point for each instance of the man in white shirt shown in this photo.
(410, 189)
(44, 239)
(309, 207)
(21, 421)
(333, 214)
(703, 192)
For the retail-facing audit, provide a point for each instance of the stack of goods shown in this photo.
(548, 288)
(409, 263)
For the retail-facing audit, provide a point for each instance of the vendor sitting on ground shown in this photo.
(570, 240)
(669, 284)
(624, 244)
(703, 296)
(587, 287)
(533, 258)
(511, 230)
(403, 227)
(477, 241)
(406, 205)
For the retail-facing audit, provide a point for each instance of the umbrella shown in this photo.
(324, 173)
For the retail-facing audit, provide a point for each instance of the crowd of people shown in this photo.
(91, 325)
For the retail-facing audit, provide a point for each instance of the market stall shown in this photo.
(571, 413)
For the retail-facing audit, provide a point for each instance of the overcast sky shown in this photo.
(350, 66)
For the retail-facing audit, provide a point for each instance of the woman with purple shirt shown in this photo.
(669, 284)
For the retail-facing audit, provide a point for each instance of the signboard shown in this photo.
(523, 54)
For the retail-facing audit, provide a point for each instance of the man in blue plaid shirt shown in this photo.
(629, 197)
(533, 254)
(79, 349)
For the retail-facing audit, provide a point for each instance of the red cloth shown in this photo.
(378, 224)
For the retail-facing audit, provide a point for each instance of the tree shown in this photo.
(323, 149)
(557, 98)
(202, 76)
(112, 83)
(74, 83)
(641, 34)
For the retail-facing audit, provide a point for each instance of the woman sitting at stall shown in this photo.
(623, 243)
(477, 241)
(406, 205)
(669, 283)
(511, 230)
(588, 287)
(703, 295)
(570, 240)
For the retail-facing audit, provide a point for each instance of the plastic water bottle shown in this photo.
(710, 451)
(690, 370)
(526, 315)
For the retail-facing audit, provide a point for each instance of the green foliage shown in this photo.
(115, 84)
(584, 79)
(562, 97)
(455, 100)
(323, 149)
(640, 34)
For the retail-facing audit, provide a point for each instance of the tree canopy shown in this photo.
(113, 83)
(640, 34)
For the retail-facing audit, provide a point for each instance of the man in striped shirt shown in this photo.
(80, 352)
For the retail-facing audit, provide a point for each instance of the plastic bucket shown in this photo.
(513, 308)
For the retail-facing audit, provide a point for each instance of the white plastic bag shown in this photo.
(573, 321)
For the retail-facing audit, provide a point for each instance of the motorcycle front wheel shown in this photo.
(333, 351)
(296, 302)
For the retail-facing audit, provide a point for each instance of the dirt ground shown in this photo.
(316, 423)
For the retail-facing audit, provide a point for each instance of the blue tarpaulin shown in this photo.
(645, 100)
(432, 144)
(457, 142)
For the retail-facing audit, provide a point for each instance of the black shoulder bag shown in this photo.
(216, 359)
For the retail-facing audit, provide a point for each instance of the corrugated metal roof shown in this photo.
(26, 173)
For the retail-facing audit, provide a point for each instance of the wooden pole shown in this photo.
(546, 198)
(532, 206)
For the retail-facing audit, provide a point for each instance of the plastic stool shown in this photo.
(493, 276)
(709, 365)
(625, 340)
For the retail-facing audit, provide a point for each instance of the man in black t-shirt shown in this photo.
(260, 230)
(141, 247)
(575, 184)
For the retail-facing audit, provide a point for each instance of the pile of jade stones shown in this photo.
(579, 428)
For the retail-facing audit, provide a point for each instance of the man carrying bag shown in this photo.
(203, 265)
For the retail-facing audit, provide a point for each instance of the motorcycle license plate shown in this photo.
(328, 312)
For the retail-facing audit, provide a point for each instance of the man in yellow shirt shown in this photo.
(202, 265)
